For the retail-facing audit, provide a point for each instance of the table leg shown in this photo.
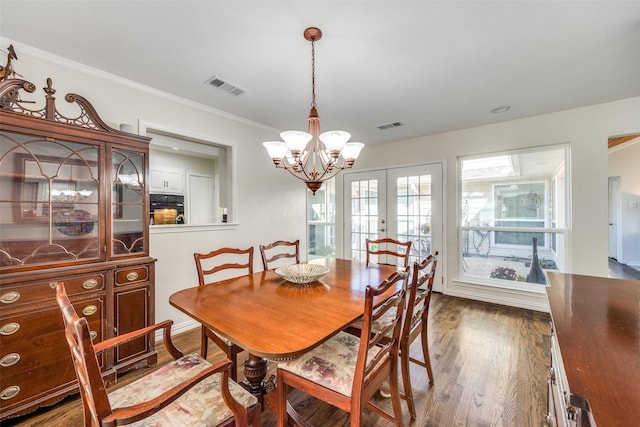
(255, 370)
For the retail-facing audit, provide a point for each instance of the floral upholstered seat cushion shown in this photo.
(201, 406)
(387, 319)
(332, 364)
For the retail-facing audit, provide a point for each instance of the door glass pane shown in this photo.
(413, 204)
(364, 216)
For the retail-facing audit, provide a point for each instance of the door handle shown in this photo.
(382, 229)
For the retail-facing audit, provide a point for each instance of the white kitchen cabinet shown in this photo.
(170, 181)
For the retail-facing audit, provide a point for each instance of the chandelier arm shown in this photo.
(300, 172)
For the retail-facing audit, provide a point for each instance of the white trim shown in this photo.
(190, 228)
(504, 296)
(177, 328)
(65, 62)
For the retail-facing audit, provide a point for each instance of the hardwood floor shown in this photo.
(490, 365)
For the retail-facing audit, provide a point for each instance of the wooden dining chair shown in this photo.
(391, 247)
(346, 371)
(187, 391)
(278, 250)
(415, 324)
(209, 268)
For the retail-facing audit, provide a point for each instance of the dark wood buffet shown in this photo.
(73, 208)
(595, 354)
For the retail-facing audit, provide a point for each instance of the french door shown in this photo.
(401, 203)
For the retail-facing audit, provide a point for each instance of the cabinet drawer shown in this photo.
(125, 276)
(39, 291)
(38, 381)
(30, 326)
(34, 339)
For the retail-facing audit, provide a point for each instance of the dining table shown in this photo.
(276, 320)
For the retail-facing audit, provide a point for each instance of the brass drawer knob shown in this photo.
(9, 392)
(9, 328)
(10, 297)
(93, 335)
(132, 276)
(90, 284)
(53, 285)
(89, 310)
(9, 360)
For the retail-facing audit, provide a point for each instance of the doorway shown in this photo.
(614, 216)
(401, 203)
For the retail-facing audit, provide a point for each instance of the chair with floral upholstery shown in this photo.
(278, 250)
(210, 267)
(187, 391)
(345, 371)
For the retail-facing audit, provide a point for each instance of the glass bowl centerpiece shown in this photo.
(302, 273)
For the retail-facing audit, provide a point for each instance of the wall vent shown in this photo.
(390, 125)
(226, 86)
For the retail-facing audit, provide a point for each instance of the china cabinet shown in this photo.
(73, 208)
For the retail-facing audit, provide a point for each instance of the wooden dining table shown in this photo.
(277, 320)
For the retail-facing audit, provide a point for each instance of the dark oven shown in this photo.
(166, 209)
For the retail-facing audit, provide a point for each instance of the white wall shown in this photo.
(623, 162)
(585, 129)
(271, 204)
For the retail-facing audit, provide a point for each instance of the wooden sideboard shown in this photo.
(595, 351)
(74, 208)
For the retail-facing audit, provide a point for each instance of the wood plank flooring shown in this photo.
(490, 365)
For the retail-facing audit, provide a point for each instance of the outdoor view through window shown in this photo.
(513, 215)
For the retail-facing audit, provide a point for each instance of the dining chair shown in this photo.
(388, 246)
(346, 371)
(416, 320)
(415, 324)
(209, 268)
(186, 391)
(278, 250)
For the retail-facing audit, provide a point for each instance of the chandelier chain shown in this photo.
(313, 72)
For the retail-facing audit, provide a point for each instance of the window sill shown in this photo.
(190, 228)
(516, 286)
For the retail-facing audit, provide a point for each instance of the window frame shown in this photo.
(552, 226)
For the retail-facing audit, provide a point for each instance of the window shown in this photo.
(506, 202)
(321, 220)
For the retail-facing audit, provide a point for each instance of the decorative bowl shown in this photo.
(302, 273)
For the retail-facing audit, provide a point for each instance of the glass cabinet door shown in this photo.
(128, 203)
(49, 201)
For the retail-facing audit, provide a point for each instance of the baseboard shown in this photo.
(178, 328)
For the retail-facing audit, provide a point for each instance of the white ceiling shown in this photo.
(434, 66)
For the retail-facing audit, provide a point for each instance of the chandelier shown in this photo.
(311, 156)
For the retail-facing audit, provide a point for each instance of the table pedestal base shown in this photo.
(255, 371)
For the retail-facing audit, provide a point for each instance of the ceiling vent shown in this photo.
(390, 125)
(226, 86)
